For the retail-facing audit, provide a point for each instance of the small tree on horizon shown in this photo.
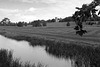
(5, 22)
(20, 24)
(68, 24)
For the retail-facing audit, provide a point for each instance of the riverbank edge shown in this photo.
(61, 49)
(28, 38)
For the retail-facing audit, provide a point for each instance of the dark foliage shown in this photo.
(20, 24)
(76, 28)
(81, 32)
(7, 60)
(36, 24)
(44, 24)
(68, 24)
(66, 19)
(51, 20)
(84, 13)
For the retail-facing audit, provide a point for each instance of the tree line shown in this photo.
(40, 23)
(35, 23)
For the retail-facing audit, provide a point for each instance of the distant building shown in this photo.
(56, 19)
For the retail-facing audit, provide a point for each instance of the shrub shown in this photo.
(36, 24)
(44, 24)
(20, 24)
(68, 24)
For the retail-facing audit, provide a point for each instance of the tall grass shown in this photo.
(83, 55)
(7, 60)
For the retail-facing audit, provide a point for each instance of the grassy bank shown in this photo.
(7, 60)
(56, 33)
(82, 54)
(58, 45)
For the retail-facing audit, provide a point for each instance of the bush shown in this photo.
(20, 24)
(36, 24)
(68, 24)
(44, 24)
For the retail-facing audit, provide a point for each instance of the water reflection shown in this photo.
(80, 55)
(22, 50)
(73, 55)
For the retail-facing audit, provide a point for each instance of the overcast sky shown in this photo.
(28, 10)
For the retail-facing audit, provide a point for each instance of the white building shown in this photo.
(56, 19)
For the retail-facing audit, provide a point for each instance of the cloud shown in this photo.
(28, 1)
(62, 8)
(39, 1)
(22, 17)
(53, 8)
(18, 15)
(31, 9)
(28, 18)
(54, 1)
(9, 10)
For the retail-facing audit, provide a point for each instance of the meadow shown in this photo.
(58, 32)
(61, 41)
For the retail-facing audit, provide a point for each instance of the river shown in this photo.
(25, 52)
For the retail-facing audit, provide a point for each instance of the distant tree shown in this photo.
(25, 24)
(20, 24)
(36, 23)
(44, 24)
(12, 24)
(60, 19)
(68, 24)
(5, 21)
(51, 20)
(48, 20)
(66, 19)
(29, 23)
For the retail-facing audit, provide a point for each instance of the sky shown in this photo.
(29, 10)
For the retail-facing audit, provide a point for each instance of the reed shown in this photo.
(82, 54)
(7, 60)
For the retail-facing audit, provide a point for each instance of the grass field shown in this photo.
(57, 33)
(65, 42)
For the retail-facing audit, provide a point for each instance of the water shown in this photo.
(25, 52)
